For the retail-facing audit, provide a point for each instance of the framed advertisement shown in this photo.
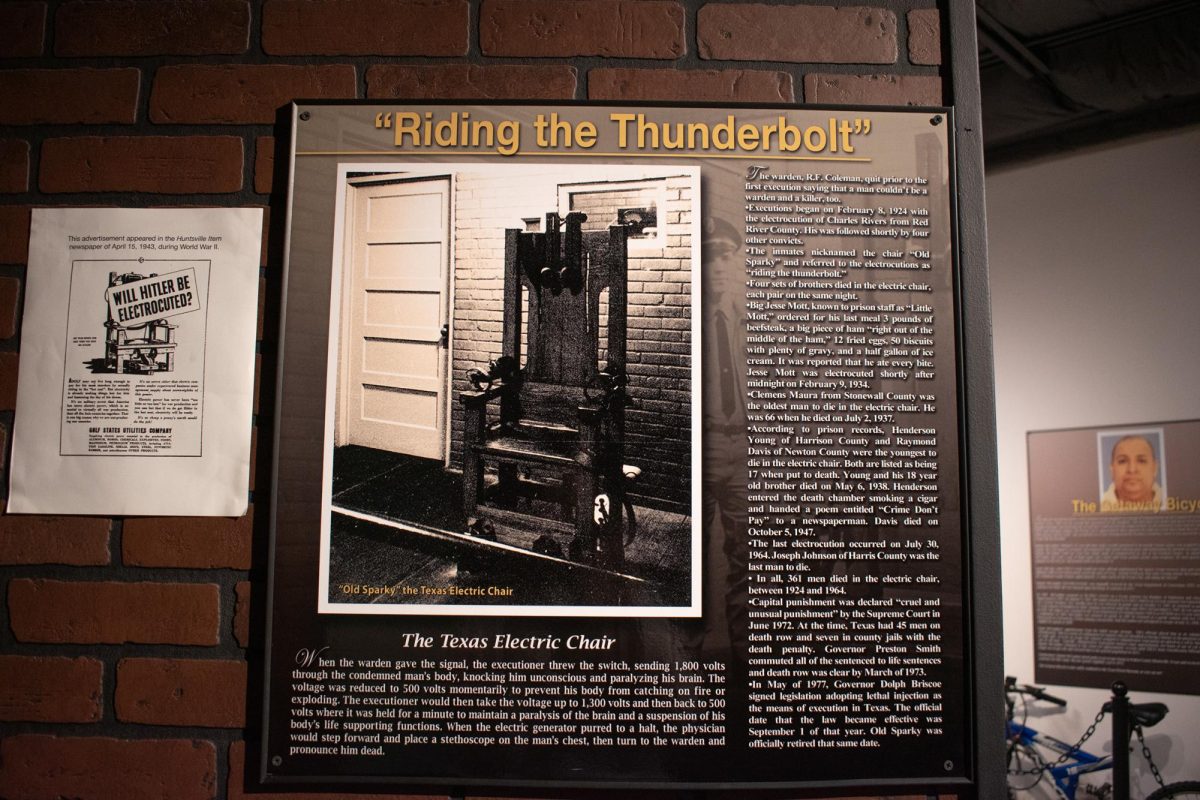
(620, 447)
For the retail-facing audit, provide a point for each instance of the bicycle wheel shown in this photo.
(1182, 790)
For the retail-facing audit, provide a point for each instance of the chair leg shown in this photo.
(473, 429)
(472, 479)
(507, 486)
(612, 545)
(587, 486)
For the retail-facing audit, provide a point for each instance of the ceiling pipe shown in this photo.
(1005, 45)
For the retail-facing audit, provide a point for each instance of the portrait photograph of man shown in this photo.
(1132, 470)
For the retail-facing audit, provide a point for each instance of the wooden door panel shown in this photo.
(396, 384)
(393, 406)
(400, 359)
(408, 263)
(417, 209)
(413, 311)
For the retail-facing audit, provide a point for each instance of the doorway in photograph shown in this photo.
(395, 328)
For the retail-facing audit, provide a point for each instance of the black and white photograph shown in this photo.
(511, 384)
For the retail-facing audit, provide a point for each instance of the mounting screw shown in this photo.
(937, 119)
(276, 761)
(305, 116)
(948, 765)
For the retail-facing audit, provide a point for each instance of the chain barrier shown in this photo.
(1062, 759)
(1146, 754)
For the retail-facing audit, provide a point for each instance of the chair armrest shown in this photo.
(590, 415)
(479, 399)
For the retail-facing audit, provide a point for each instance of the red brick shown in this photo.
(8, 381)
(44, 539)
(14, 165)
(241, 613)
(14, 234)
(613, 28)
(471, 81)
(157, 164)
(264, 166)
(237, 789)
(114, 613)
(743, 85)
(24, 26)
(195, 542)
(152, 27)
(878, 90)
(10, 293)
(237, 94)
(36, 767)
(758, 32)
(366, 27)
(68, 96)
(924, 36)
(168, 691)
(44, 689)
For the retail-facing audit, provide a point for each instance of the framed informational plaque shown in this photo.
(623, 447)
(1116, 555)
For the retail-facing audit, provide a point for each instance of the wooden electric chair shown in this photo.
(545, 426)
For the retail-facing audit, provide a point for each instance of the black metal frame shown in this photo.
(981, 552)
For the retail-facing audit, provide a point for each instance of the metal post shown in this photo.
(1120, 741)
(982, 508)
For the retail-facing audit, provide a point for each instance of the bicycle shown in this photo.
(1026, 745)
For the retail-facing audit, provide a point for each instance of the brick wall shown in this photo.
(124, 643)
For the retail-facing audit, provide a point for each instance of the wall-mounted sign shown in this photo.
(1114, 515)
(137, 362)
(620, 447)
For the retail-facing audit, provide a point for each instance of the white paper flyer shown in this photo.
(137, 362)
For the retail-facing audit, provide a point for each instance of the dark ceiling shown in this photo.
(1058, 74)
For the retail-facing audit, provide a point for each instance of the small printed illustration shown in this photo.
(1133, 473)
(138, 336)
(513, 417)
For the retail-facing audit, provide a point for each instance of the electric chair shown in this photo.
(545, 424)
(144, 347)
